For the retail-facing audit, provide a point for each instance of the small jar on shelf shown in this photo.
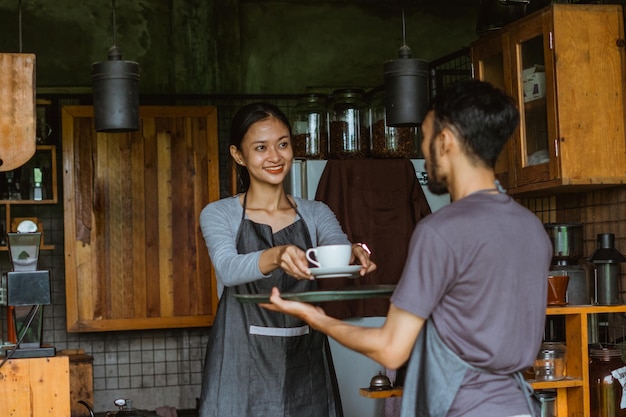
(550, 362)
(349, 137)
(310, 127)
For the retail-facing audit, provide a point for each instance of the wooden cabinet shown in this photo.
(135, 257)
(37, 387)
(573, 398)
(20, 187)
(564, 67)
(489, 58)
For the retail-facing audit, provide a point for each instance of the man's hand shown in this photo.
(303, 311)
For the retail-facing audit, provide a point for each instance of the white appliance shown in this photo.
(353, 370)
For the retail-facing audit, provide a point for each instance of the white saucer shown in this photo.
(350, 271)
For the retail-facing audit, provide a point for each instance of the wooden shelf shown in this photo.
(585, 309)
(562, 383)
(387, 393)
(42, 247)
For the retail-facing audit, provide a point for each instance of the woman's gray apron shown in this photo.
(434, 376)
(265, 363)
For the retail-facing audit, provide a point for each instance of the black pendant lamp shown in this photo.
(115, 86)
(406, 87)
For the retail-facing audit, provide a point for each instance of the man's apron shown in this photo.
(265, 363)
(434, 376)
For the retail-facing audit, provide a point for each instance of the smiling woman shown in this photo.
(257, 241)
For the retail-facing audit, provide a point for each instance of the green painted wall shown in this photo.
(232, 46)
(287, 47)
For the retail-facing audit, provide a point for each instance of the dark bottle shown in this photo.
(606, 370)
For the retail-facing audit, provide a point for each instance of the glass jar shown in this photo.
(607, 373)
(349, 136)
(387, 141)
(310, 127)
(550, 362)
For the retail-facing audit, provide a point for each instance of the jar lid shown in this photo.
(551, 350)
(605, 353)
(314, 98)
(348, 93)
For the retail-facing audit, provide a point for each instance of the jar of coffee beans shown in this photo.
(309, 125)
(349, 136)
(387, 141)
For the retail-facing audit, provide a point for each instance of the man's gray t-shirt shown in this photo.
(479, 267)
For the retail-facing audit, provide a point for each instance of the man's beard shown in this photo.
(436, 185)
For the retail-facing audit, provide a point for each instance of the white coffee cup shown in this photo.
(330, 256)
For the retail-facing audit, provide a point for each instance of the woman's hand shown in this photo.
(289, 258)
(361, 252)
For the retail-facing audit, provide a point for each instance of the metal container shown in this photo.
(567, 242)
(607, 274)
(547, 398)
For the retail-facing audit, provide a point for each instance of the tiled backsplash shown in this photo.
(601, 211)
(153, 367)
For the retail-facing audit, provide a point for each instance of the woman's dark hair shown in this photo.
(243, 119)
(481, 115)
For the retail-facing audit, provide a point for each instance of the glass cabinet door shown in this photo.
(534, 129)
(532, 64)
(488, 59)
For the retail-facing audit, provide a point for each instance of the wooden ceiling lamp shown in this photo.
(18, 118)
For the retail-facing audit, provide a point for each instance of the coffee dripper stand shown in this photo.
(567, 243)
(28, 290)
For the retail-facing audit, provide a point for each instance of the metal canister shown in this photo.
(349, 137)
(607, 373)
(547, 398)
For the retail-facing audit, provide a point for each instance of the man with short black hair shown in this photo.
(469, 309)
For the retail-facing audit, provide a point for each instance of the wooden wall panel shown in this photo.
(135, 256)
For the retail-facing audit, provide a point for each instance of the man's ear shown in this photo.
(446, 141)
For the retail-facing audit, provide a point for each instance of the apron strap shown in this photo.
(531, 398)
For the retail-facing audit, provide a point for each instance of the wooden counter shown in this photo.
(37, 387)
(387, 393)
